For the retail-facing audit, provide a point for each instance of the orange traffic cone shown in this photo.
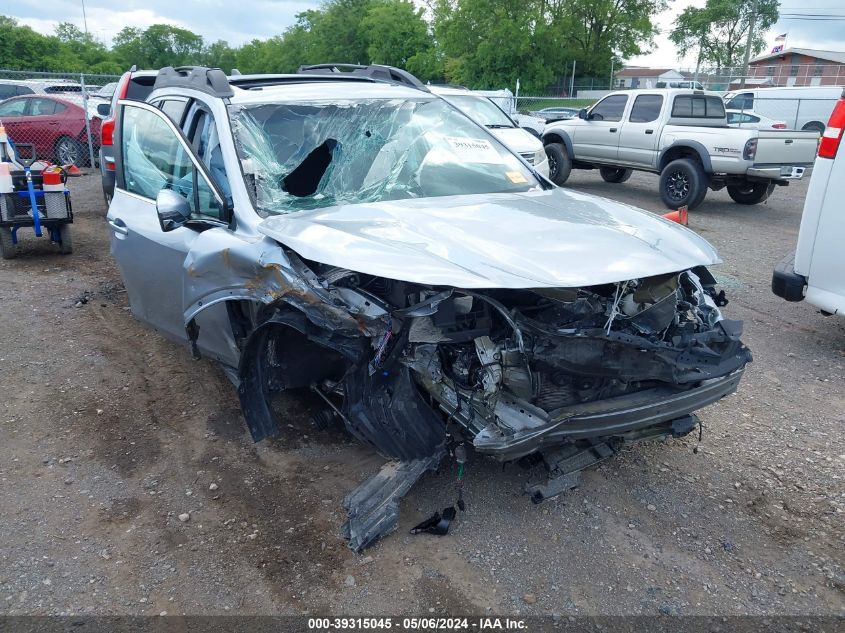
(72, 170)
(681, 216)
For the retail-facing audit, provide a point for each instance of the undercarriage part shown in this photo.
(437, 524)
(565, 466)
(373, 507)
(391, 416)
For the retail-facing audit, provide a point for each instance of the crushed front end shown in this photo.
(561, 375)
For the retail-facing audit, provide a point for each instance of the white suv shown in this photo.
(815, 271)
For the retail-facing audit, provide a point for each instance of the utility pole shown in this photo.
(572, 83)
(611, 73)
(751, 25)
(84, 20)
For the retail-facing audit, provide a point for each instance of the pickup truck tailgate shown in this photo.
(786, 148)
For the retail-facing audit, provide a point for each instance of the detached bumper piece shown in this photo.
(786, 283)
(373, 507)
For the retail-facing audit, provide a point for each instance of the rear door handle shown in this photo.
(612, 130)
(649, 131)
(118, 226)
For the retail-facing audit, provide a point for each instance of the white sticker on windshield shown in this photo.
(474, 150)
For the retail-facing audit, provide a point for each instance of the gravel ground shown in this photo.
(129, 484)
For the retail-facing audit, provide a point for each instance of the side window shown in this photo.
(60, 107)
(206, 142)
(13, 108)
(609, 109)
(42, 107)
(733, 117)
(173, 108)
(646, 108)
(154, 158)
(7, 90)
(744, 101)
(698, 107)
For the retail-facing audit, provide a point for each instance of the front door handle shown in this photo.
(649, 131)
(612, 130)
(118, 226)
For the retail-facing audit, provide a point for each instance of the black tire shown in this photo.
(8, 249)
(750, 192)
(814, 126)
(560, 165)
(615, 174)
(70, 151)
(683, 183)
(66, 243)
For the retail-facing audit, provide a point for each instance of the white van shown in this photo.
(803, 108)
(814, 273)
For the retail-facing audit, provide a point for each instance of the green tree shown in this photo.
(718, 31)
(395, 31)
(158, 46)
(592, 31)
(21, 48)
(491, 43)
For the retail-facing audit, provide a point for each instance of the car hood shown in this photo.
(554, 238)
(517, 139)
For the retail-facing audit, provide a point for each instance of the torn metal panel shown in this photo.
(373, 507)
(220, 268)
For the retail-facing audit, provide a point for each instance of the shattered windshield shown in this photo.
(299, 156)
(481, 109)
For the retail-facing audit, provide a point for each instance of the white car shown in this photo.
(490, 115)
(814, 272)
(753, 120)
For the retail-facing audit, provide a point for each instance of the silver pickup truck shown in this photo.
(682, 135)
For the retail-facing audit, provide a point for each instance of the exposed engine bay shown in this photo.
(514, 373)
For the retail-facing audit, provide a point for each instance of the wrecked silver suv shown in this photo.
(352, 234)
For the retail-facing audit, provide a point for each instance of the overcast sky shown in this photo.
(215, 19)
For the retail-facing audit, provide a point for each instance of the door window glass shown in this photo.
(646, 108)
(7, 90)
(174, 108)
(206, 144)
(154, 158)
(13, 108)
(609, 109)
(42, 107)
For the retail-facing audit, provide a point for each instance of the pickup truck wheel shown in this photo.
(615, 174)
(750, 192)
(683, 183)
(560, 165)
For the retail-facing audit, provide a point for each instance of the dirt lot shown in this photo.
(109, 432)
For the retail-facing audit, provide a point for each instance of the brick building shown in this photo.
(798, 67)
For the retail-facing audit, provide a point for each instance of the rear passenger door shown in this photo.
(640, 132)
(598, 135)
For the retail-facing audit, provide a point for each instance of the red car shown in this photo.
(55, 125)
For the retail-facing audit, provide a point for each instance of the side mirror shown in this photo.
(582, 114)
(103, 109)
(173, 210)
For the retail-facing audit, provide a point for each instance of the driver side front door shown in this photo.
(153, 155)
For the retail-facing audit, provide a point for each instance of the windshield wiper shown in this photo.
(499, 126)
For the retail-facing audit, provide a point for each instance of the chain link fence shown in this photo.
(55, 116)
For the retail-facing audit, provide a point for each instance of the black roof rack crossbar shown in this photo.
(247, 82)
(210, 80)
(375, 72)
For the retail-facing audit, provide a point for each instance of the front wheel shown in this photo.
(615, 174)
(750, 192)
(560, 165)
(683, 183)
